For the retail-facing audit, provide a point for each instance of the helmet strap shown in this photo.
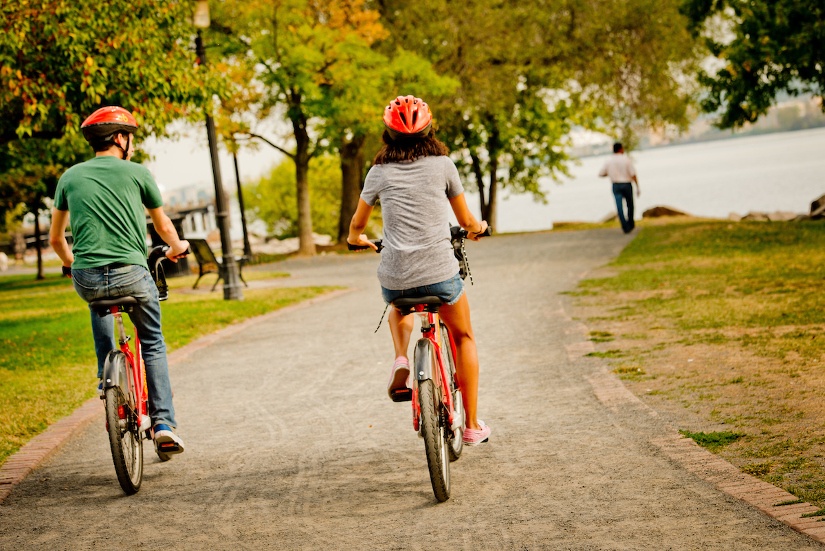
(123, 152)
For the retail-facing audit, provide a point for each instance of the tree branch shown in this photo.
(266, 141)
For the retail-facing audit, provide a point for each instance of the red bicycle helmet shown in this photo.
(408, 116)
(106, 121)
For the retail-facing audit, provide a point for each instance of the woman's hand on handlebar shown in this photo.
(362, 243)
(475, 236)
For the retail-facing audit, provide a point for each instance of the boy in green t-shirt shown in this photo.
(105, 198)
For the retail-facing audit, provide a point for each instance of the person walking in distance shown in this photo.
(106, 199)
(418, 185)
(619, 168)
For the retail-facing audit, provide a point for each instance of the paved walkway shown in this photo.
(293, 444)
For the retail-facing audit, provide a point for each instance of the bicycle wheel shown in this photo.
(455, 436)
(433, 428)
(124, 437)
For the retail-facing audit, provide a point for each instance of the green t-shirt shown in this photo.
(105, 197)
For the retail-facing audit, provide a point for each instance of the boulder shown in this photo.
(781, 216)
(659, 212)
(756, 217)
(818, 208)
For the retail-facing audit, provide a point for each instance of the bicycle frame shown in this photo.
(133, 363)
(430, 332)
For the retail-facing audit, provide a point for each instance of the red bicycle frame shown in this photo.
(134, 361)
(429, 330)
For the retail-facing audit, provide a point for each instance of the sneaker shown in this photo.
(473, 437)
(398, 388)
(167, 443)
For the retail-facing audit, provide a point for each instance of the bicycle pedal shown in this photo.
(401, 395)
(167, 447)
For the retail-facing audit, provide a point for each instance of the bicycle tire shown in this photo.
(124, 438)
(433, 431)
(455, 438)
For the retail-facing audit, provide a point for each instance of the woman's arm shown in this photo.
(465, 218)
(359, 224)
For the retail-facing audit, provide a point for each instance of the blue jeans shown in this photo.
(135, 281)
(449, 291)
(624, 191)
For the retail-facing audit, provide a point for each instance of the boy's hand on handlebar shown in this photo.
(178, 251)
(475, 236)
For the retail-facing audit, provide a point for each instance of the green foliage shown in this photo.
(764, 48)
(272, 199)
(532, 71)
(61, 59)
(713, 441)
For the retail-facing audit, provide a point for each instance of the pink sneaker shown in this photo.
(473, 437)
(397, 387)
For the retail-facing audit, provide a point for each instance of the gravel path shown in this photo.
(293, 443)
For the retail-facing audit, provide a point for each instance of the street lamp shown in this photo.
(231, 274)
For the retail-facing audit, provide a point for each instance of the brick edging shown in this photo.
(41, 447)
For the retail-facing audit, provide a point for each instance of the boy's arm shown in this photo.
(166, 230)
(57, 237)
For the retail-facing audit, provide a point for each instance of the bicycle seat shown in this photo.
(407, 304)
(103, 306)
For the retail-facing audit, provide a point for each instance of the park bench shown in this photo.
(209, 264)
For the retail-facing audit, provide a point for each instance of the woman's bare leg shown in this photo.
(401, 328)
(457, 319)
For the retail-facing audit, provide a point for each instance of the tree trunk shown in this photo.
(306, 243)
(479, 174)
(352, 176)
(37, 245)
(493, 149)
(492, 192)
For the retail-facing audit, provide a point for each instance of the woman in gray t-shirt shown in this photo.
(418, 187)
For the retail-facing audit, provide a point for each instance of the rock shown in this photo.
(756, 217)
(659, 212)
(818, 208)
(781, 216)
(734, 217)
(4, 262)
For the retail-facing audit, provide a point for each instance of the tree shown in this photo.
(357, 97)
(763, 48)
(294, 47)
(272, 198)
(532, 71)
(61, 59)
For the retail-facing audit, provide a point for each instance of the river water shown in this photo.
(767, 173)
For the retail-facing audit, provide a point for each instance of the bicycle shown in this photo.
(125, 393)
(437, 404)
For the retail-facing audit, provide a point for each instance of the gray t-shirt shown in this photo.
(416, 212)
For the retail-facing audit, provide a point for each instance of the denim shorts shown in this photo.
(448, 291)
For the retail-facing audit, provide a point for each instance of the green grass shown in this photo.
(710, 276)
(712, 440)
(47, 360)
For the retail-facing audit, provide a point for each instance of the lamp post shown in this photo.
(231, 275)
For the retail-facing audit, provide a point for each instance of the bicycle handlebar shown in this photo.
(457, 235)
